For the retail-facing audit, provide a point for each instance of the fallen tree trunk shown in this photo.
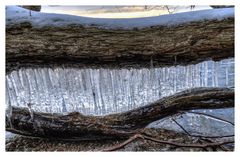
(221, 6)
(122, 125)
(29, 44)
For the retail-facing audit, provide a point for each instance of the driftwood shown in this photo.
(76, 126)
(77, 45)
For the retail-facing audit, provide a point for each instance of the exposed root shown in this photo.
(204, 146)
(121, 145)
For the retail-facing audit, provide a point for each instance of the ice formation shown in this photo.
(106, 91)
(196, 124)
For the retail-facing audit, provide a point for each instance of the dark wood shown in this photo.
(32, 7)
(79, 46)
(122, 125)
(221, 6)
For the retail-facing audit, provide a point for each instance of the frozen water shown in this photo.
(106, 91)
(199, 124)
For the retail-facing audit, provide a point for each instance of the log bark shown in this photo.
(221, 6)
(77, 45)
(76, 126)
(32, 7)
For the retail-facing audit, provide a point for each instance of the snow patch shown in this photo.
(15, 14)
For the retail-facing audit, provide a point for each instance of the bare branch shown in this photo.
(121, 125)
(189, 145)
(208, 115)
(121, 145)
(181, 127)
(221, 136)
(204, 145)
(220, 146)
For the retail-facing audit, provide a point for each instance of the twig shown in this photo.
(201, 142)
(146, 137)
(188, 145)
(181, 127)
(208, 115)
(121, 145)
(221, 146)
(168, 9)
(201, 136)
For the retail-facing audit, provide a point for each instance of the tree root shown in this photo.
(145, 137)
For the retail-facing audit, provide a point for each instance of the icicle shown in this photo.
(8, 105)
(216, 67)
(188, 75)
(175, 80)
(101, 91)
(105, 91)
(151, 63)
(226, 74)
(29, 105)
(213, 74)
(206, 74)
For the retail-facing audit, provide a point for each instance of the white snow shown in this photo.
(16, 14)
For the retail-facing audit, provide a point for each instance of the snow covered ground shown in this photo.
(16, 14)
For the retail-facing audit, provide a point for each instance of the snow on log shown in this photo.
(55, 39)
(121, 125)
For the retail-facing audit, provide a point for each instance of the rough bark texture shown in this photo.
(91, 46)
(121, 125)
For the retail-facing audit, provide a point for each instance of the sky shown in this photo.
(118, 11)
